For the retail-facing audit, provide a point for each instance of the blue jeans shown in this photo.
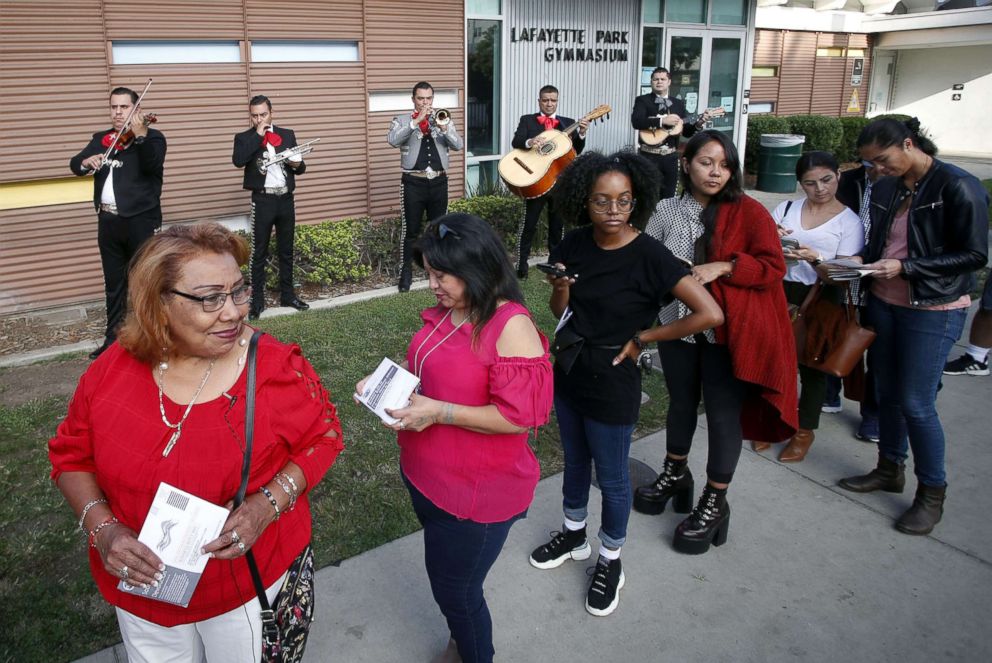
(586, 441)
(907, 358)
(458, 554)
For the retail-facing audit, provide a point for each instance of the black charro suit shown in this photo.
(528, 128)
(645, 116)
(268, 210)
(137, 173)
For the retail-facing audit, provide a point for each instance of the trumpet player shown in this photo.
(127, 191)
(423, 138)
(272, 202)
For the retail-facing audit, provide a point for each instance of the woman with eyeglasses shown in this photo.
(485, 382)
(929, 233)
(166, 404)
(745, 369)
(615, 280)
(825, 229)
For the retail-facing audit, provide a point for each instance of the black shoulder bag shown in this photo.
(285, 624)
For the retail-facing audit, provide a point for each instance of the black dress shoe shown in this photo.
(103, 348)
(297, 303)
(522, 272)
(406, 278)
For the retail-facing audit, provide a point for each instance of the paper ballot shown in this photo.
(177, 526)
(389, 387)
(844, 269)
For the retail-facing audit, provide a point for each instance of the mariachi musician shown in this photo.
(655, 110)
(272, 202)
(527, 136)
(127, 191)
(423, 138)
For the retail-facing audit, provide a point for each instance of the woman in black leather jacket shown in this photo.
(929, 233)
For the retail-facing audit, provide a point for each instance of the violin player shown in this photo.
(127, 191)
(272, 203)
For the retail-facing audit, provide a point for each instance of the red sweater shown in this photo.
(114, 430)
(757, 329)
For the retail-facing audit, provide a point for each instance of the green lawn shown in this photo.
(49, 605)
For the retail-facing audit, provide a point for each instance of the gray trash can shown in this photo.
(777, 162)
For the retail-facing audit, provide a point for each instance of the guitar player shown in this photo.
(528, 137)
(658, 110)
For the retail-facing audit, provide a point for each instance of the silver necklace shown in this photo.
(178, 427)
(418, 369)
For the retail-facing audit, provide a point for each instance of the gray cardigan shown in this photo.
(408, 140)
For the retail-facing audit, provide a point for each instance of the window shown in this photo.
(653, 11)
(686, 11)
(728, 12)
(304, 51)
(483, 87)
(764, 72)
(855, 52)
(174, 52)
(832, 52)
(759, 107)
(484, 7)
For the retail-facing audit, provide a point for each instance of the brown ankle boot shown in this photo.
(797, 447)
(928, 507)
(760, 446)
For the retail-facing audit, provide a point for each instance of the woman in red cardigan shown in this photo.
(745, 369)
(166, 404)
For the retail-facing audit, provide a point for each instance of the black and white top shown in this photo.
(676, 224)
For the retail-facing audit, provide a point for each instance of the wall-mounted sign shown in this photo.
(575, 47)
(854, 105)
(857, 72)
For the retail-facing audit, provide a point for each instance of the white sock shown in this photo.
(574, 525)
(609, 553)
(977, 353)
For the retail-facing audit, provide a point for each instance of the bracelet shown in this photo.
(96, 530)
(275, 505)
(86, 510)
(638, 342)
(291, 494)
(292, 482)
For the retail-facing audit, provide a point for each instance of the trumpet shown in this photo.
(441, 116)
(303, 148)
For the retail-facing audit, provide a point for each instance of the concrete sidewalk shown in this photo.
(809, 572)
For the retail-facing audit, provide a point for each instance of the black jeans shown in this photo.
(668, 166)
(458, 554)
(694, 370)
(420, 195)
(119, 238)
(268, 210)
(532, 217)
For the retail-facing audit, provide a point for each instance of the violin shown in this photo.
(123, 141)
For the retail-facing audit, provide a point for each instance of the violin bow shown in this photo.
(127, 123)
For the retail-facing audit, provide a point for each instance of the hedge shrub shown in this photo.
(822, 132)
(848, 149)
(757, 125)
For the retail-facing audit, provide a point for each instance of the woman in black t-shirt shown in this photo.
(617, 280)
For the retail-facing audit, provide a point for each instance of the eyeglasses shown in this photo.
(216, 301)
(443, 231)
(603, 205)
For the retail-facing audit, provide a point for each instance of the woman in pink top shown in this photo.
(485, 380)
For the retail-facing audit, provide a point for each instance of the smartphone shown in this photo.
(548, 268)
(789, 244)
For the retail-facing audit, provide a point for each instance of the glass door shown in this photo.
(706, 73)
(724, 82)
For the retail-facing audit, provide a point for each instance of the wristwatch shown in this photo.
(637, 341)
(817, 260)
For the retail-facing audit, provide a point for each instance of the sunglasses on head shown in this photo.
(443, 231)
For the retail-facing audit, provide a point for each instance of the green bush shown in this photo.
(329, 252)
(822, 132)
(504, 213)
(757, 125)
(848, 149)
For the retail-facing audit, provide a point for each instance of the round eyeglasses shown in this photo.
(603, 205)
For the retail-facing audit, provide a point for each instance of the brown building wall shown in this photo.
(55, 77)
(806, 82)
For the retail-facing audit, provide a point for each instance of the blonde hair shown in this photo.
(155, 270)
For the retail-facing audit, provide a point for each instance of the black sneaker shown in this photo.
(563, 546)
(966, 365)
(604, 591)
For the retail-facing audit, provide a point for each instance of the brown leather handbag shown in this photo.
(828, 336)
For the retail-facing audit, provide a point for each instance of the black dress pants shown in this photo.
(532, 217)
(668, 166)
(420, 196)
(119, 238)
(268, 210)
(704, 369)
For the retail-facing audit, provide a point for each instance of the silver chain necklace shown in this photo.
(178, 427)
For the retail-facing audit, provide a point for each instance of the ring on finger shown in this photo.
(235, 537)
(402, 424)
(241, 546)
(124, 572)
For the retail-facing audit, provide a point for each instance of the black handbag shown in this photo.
(286, 623)
(566, 347)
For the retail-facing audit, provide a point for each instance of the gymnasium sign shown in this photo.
(576, 45)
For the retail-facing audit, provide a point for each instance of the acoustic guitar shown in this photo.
(660, 135)
(532, 173)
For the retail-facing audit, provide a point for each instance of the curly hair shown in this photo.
(574, 184)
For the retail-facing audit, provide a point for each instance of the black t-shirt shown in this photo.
(617, 293)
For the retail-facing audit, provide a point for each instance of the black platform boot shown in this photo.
(708, 523)
(928, 507)
(675, 481)
(889, 476)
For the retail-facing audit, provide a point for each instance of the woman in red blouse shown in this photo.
(166, 403)
(485, 379)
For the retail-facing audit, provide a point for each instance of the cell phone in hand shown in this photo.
(790, 245)
(554, 271)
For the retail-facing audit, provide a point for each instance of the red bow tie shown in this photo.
(271, 138)
(425, 126)
(548, 121)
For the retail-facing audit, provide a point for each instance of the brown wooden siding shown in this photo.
(796, 71)
(56, 76)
